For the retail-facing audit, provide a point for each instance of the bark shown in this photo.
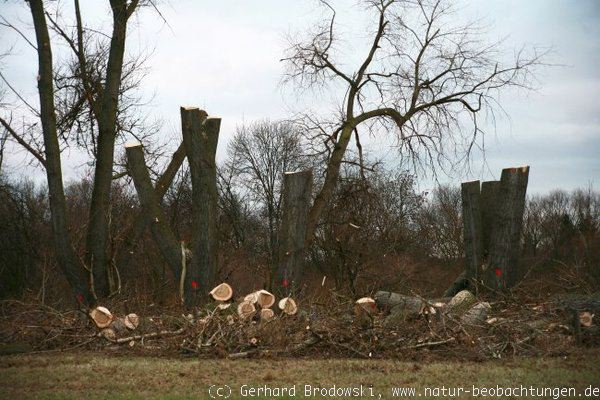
(65, 254)
(99, 216)
(151, 210)
(297, 190)
(489, 207)
(503, 269)
(471, 216)
(200, 139)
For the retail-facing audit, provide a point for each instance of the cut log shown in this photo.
(476, 315)
(398, 302)
(460, 303)
(264, 299)
(101, 317)
(222, 292)
(252, 297)
(297, 191)
(288, 306)
(108, 334)
(246, 310)
(132, 321)
(586, 318)
(266, 314)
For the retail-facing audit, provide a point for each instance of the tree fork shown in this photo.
(151, 210)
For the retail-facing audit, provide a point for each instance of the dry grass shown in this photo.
(99, 376)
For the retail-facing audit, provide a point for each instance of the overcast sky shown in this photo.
(224, 56)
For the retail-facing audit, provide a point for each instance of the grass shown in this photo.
(105, 376)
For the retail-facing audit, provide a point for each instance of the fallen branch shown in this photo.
(429, 344)
(147, 336)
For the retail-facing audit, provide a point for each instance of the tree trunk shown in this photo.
(471, 216)
(99, 216)
(65, 255)
(162, 185)
(331, 179)
(151, 210)
(297, 190)
(505, 242)
(200, 140)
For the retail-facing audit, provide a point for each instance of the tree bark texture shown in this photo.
(471, 216)
(297, 190)
(200, 138)
(65, 254)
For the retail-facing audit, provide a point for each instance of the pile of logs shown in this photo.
(254, 306)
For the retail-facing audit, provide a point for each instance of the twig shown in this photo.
(430, 344)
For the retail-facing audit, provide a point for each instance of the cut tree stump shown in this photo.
(503, 270)
(200, 138)
(297, 190)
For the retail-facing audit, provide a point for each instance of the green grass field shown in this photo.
(101, 376)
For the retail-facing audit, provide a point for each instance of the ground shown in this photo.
(104, 375)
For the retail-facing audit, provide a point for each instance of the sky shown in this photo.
(224, 56)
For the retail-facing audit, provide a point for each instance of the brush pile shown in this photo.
(389, 325)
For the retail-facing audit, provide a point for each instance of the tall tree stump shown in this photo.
(297, 190)
(502, 270)
(200, 138)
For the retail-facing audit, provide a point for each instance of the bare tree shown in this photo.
(260, 154)
(421, 77)
(92, 82)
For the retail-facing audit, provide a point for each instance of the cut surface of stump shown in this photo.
(265, 299)
(222, 292)
(460, 303)
(365, 304)
(266, 314)
(101, 317)
(586, 318)
(288, 306)
(246, 309)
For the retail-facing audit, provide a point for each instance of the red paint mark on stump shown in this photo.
(194, 285)
(498, 272)
(80, 297)
(285, 283)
